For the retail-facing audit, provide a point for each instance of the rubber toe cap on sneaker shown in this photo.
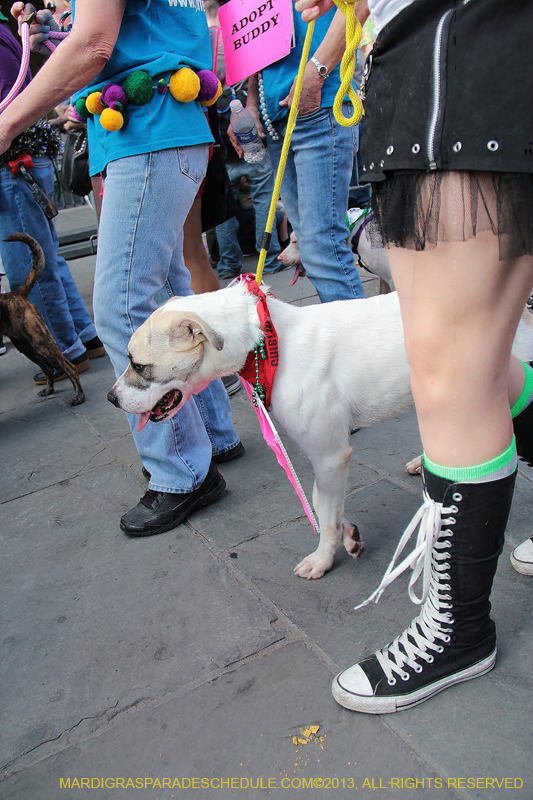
(522, 558)
(355, 681)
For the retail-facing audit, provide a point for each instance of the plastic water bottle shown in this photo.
(243, 125)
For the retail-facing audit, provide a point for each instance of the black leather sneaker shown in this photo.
(157, 512)
(81, 363)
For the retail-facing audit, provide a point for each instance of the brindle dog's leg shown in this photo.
(49, 383)
(72, 375)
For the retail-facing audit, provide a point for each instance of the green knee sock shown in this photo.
(526, 395)
(499, 467)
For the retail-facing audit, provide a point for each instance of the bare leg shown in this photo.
(460, 309)
(516, 384)
(203, 276)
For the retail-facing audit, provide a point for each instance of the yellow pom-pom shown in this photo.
(93, 103)
(184, 85)
(213, 99)
(111, 120)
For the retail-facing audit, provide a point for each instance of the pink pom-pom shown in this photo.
(112, 94)
(76, 115)
(208, 85)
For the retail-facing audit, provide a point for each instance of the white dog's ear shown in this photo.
(190, 329)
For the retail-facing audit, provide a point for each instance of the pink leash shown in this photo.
(25, 36)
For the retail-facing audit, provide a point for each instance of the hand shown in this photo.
(311, 9)
(235, 142)
(311, 95)
(254, 111)
(43, 23)
(72, 123)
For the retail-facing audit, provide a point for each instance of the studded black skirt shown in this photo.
(448, 141)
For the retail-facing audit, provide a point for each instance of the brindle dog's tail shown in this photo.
(38, 262)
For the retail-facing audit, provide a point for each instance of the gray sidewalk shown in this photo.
(194, 664)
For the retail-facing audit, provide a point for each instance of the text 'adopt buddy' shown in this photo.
(110, 102)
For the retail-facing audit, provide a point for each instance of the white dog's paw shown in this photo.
(414, 467)
(351, 539)
(313, 566)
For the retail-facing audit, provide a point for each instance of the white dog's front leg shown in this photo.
(328, 502)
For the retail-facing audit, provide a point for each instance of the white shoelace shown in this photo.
(430, 517)
(428, 558)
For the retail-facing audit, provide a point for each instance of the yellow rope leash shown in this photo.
(353, 37)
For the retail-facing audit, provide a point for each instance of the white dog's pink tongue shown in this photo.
(143, 419)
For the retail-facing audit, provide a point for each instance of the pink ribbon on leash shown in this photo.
(273, 440)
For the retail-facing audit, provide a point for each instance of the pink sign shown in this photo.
(255, 33)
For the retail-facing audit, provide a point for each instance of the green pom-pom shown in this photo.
(81, 108)
(138, 87)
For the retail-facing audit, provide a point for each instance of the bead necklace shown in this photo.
(262, 106)
(259, 389)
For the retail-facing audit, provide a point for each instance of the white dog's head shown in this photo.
(166, 355)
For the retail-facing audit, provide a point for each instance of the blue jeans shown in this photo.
(315, 195)
(140, 252)
(55, 294)
(261, 180)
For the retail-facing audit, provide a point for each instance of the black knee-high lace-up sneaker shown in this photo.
(453, 639)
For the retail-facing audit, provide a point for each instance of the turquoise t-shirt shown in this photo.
(158, 36)
(278, 77)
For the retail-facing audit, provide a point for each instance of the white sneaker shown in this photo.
(522, 557)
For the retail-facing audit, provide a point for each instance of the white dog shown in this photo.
(372, 259)
(342, 365)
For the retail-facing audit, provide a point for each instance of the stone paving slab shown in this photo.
(93, 618)
(18, 388)
(324, 608)
(240, 726)
(389, 446)
(44, 443)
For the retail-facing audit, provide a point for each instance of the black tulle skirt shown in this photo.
(448, 140)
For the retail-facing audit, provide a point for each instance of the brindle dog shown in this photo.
(23, 323)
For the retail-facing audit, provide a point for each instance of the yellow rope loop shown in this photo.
(347, 68)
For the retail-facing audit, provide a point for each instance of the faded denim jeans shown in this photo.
(315, 195)
(140, 252)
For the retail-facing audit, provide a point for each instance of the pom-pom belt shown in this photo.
(110, 103)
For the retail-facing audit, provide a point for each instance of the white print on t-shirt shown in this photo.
(198, 5)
